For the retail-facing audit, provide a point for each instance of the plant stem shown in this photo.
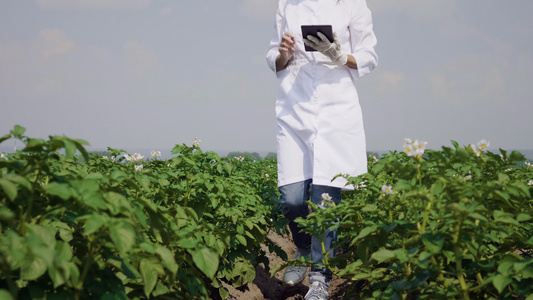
(88, 263)
(27, 215)
(419, 175)
(426, 217)
(326, 263)
(458, 260)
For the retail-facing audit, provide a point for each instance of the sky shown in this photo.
(150, 74)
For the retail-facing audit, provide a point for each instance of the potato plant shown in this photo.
(80, 226)
(450, 224)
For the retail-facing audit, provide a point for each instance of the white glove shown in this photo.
(324, 46)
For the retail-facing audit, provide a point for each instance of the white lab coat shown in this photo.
(319, 122)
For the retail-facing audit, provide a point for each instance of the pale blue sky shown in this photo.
(152, 74)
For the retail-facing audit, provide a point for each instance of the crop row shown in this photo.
(91, 227)
(455, 223)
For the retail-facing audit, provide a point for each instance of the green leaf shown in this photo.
(33, 270)
(241, 239)
(383, 255)
(167, 259)
(83, 151)
(62, 190)
(18, 131)
(70, 149)
(455, 144)
(525, 268)
(5, 137)
(504, 218)
(17, 179)
(10, 189)
(365, 232)
(123, 236)
(149, 276)
(243, 272)
(64, 231)
(59, 273)
(224, 293)
(34, 145)
(500, 282)
(187, 243)
(206, 260)
(93, 223)
(516, 156)
(5, 295)
(433, 242)
(522, 217)
(42, 235)
(6, 214)
(178, 149)
(370, 208)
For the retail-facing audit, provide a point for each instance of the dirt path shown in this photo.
(273, 288)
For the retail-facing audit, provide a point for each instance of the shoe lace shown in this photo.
(317, 289)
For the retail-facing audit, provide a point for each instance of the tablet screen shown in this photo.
(313, 29)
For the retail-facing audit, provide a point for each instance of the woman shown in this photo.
(319, 122)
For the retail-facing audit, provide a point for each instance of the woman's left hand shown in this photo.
(324, 46)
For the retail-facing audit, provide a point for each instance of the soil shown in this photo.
(273, 288)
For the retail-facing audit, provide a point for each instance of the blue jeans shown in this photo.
(292, 200)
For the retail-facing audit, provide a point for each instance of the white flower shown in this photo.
(267, 176)
(327, 201)
(483, 145)
(138, 167)
(128, 157)
(113, 159)
(156, 154)
(105, 157)
(468, 177)
(138, 157)
(387, 189)
(473, 149)
(196, 142)
(530, 183)
(408, 146)
(239, 158)
(528, 164)
(415, 149)
(326, 196)
(418, 152)
(4, 156)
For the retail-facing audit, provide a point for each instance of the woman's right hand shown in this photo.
(286, 51)
(286, 47)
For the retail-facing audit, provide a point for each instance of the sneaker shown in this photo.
(317, 291)
(296, 274)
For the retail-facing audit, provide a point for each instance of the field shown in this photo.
(454, 223)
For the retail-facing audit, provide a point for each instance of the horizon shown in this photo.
(166, 153)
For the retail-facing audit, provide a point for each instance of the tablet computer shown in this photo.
(313, 30)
